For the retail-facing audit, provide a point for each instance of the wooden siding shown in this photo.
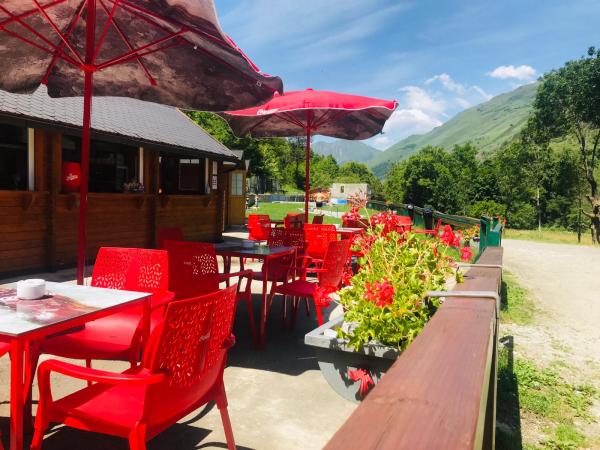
(38, 229)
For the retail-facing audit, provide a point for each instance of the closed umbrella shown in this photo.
(167, 51)
(308, 112)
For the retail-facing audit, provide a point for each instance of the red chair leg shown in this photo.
(307, 304)
(319, 315)
(137, 437)
(41, 424)
(221, 401)
(283, 310)
(88, 364)
(295, 302)
(251, 318)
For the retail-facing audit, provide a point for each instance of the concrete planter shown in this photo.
(335, 358)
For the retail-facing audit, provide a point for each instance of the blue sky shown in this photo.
(435, 57)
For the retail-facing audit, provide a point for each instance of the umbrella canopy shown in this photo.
(309, 112)
(167, 51)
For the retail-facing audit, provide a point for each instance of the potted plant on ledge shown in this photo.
(384, 308)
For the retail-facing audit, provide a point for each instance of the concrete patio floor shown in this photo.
(277, 397)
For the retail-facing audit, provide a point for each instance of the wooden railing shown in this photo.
(441, 392)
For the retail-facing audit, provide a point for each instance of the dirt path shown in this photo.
(564, 281)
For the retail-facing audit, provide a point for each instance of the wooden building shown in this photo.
(236, 189)
(150, 167)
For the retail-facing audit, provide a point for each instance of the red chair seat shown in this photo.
(95, 406)
(298, 288)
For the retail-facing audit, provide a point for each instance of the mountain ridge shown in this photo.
(487, 126)
(345, 150)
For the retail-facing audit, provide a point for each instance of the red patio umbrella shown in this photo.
(167, 51)
(309, 112)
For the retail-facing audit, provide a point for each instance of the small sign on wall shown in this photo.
(213, 182)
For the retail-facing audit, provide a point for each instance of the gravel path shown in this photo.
(564, 281)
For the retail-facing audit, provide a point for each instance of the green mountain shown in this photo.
(487, 126)
(344, 151)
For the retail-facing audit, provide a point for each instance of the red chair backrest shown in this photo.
(168, 234)
(318, 238)
(294, 237)
(189, 346)
(255, 219)
(318, 219)
(276, 237)
(334, 263)
(404, 220)
(131, 269)
(193, 267)
(259, 231)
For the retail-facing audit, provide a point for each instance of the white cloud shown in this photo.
(422, 108)
(419, 99)
(523, 72)
(447, 82)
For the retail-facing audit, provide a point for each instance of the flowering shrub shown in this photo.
(352, 215)
(388, 221)
(470, 233)
(386, 300)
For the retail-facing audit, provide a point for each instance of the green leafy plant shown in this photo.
(386, 299)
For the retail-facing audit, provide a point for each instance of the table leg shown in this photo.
(263, 306)
(16, 395)
(31, 361)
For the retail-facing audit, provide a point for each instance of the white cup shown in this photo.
(31, 289)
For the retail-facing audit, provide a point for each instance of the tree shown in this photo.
(568, 104)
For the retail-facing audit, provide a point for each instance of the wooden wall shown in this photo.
(38, 230)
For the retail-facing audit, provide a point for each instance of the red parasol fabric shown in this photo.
(309, 112)
(167, 51)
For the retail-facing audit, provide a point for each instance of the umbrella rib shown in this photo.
(116, 25)
(31, 12)
(58, 52)
(257, 124)
(134, 53)
(59, 33)
(111, 16)
(36, 45)
(29, 28)
(293, 120)
(141, 13)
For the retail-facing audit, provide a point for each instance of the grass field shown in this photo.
(555, 236)
(278, 211)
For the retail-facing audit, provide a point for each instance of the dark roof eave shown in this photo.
(31, 122)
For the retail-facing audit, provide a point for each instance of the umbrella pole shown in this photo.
(307, 173)
(86, 138)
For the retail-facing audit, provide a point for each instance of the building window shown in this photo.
(237, 183)
(13, 158)
(341, 189)
(182, 175)
(114, 168)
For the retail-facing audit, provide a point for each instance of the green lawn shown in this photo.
(554, 236)
(278, 211)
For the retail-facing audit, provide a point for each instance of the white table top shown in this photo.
(64, 302)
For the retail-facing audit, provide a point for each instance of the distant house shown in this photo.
(150, 167)
(342, 191)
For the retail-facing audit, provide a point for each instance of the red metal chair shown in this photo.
(317, 239)
(329, 279)
(318, 219)
(194, 270)
(118, 337)
(259, 226)
(168, 234)
(434, 232)
(405, 222)
(181, 370)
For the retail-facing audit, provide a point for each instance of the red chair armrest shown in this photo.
(160, 299)
(95, 375)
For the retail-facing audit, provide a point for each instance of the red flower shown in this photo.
(347, 276)
(466, 254)
(448, 237)
(456, 241)
(381, 293)
(390, 222)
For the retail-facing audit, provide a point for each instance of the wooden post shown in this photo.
(54, 165)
